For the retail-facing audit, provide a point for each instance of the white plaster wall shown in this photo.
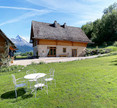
(43, 51)
(59, 50)
(80, 50)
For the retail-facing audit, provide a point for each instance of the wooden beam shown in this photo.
(59, 42)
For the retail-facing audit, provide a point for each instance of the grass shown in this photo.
(21, 57)
(113, 48)
(90, 83)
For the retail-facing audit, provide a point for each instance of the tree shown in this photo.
(103, 30)
(110, 8)
(88, 29)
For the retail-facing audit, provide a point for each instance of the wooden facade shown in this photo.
(2, 45)
(5, 45)
(58, 42)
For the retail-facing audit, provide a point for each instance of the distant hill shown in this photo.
(22, 45)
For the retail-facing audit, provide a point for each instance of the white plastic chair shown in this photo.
(31, 71)
(40, 83)
(50, 76)
(18, 84)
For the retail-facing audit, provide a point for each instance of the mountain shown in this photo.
(22, 45)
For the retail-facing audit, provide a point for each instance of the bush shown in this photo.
(97, 51)
(104, 44)
(41, 62)
(115, 43)
(10, 68)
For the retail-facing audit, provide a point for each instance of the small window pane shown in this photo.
(64, 50)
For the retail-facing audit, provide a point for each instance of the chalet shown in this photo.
(55, 40)
(6, 47)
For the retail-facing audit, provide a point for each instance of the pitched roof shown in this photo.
(56, 31)
(6, 38)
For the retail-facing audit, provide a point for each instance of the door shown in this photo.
(52, 52)
(74, 52)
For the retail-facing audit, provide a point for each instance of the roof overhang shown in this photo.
(7, 39)
(34, 38)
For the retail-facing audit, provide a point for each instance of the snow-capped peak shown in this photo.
(21, 44)
(18, 37)
(19, 40)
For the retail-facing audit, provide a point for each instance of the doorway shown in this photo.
(52, 52)
(74, 52)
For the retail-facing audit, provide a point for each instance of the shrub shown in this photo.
(97, 51)
(41, 62)
(104, 44)
(115, 43)
(10, 68)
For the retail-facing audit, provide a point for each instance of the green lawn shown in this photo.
(90, 83)
(113, 48)
(21, 57)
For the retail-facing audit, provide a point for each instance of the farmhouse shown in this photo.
(55, 40)
(6, 47)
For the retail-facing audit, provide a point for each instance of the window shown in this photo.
(64, 50)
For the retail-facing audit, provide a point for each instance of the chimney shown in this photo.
(64, 25)
(55, 23)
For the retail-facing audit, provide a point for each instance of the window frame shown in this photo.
(64, 50)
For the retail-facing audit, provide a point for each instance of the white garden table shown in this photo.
(34, 76)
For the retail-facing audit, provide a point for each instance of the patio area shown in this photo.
(26, 62)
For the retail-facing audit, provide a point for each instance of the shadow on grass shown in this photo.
(114, 62)
(11, 94)
(27, 96)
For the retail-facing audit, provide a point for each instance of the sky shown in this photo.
(16, 15)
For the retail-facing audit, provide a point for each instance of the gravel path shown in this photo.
(50, 60)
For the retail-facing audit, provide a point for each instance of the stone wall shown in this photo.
(43, 50)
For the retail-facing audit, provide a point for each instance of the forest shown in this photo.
(103, 32)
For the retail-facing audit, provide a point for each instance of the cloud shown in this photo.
(71, 6)
(60, 5)
(93, 1)
(87, 17)
(33, 12)
(83, 10)
(19, 8)
(77, 9)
